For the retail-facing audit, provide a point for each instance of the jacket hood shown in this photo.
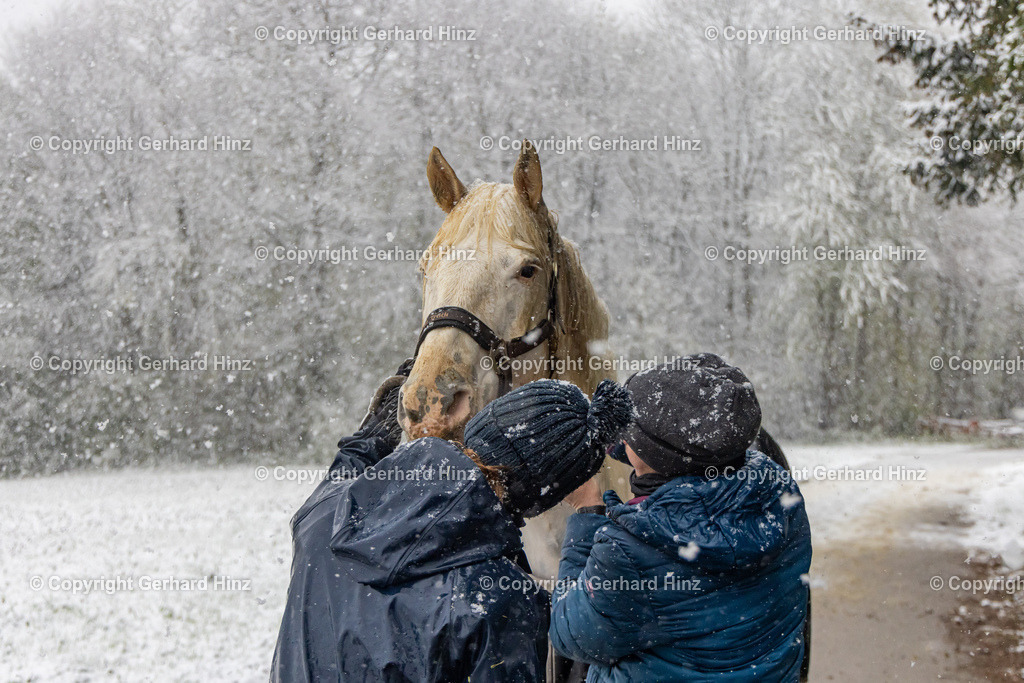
(730, 522)
(423, 510)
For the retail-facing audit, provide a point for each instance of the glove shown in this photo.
(381, 418)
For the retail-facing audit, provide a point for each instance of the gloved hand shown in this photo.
(382, 415)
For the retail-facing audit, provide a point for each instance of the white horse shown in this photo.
(505, 301)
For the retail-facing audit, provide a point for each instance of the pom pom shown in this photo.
(611, 410)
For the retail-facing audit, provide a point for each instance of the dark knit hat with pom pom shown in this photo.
(548, 438)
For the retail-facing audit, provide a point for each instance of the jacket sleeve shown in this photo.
(579, 540)
(356, 453)
(602, 613)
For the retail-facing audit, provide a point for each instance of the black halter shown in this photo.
(500, 350)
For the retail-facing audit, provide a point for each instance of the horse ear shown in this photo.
(526, 176)
(445, 185)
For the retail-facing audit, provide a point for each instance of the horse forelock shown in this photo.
(489, 212)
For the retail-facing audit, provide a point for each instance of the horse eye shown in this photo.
(526, 272)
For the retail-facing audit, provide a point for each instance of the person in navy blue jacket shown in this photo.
(407, 560)
(702, 575)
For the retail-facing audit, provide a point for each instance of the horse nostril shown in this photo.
(459, 408)
(410, 414)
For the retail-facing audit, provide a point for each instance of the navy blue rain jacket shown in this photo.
(704, 580)
(400, 580)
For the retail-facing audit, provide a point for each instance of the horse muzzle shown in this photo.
(440, 406)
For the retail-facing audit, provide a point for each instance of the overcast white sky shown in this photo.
(14, 13)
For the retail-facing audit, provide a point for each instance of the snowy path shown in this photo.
(878, 544)
(984, 484)
(185, 525)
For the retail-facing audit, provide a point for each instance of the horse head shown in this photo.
(498, 259)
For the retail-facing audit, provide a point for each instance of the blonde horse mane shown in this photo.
(492, 211)
(583, 321)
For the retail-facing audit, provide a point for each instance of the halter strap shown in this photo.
(482, 334)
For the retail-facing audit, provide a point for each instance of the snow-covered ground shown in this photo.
(145, 526)
(847, 485)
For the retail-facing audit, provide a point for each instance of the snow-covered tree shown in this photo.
(973, 112)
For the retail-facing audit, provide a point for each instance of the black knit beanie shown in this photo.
(548, 439)
(696, 413)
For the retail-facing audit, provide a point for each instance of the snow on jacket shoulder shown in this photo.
(402, 574)
(705, 580)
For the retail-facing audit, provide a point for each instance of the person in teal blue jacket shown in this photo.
(702, 576)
